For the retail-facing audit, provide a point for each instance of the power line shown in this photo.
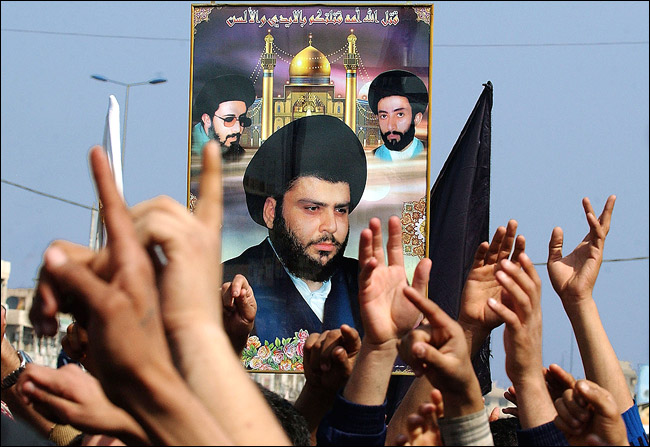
(31, 31)
(638, 258)
(48, 195)
(460, 45)
(561, 44)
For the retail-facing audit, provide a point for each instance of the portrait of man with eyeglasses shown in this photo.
(220, 109)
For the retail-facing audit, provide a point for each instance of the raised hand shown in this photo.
(422, 426)
(386, 313)
(239, 310)
(522, 312)
(440, 352)
(511, 396)
(573, 276)
(588, 415)
(69, 395)
(192, 246)
(122, 316)
(48, 299)
(328, 362)
(329, 358)
(557, 380)
(476, 317)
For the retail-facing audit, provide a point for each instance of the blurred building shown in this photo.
(20, 332)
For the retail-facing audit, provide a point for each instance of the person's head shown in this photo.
(399, 99)
(302, 184)
(292, 421)
(504, 431)
(221, 107)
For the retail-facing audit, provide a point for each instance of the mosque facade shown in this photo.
(309, 91)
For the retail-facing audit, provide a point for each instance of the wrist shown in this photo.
(317, 393)
(464, 400)
(19, 362)
(576, 307)
(475, 335)
(369, 380)
(10, 360)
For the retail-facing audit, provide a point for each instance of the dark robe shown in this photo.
(281, 310)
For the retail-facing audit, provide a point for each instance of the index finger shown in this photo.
(508, 240)
(210, 205)
(433, 312)
(394, 244)
(119, 226)
(606, 216)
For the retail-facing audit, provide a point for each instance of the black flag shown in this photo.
(459, 214)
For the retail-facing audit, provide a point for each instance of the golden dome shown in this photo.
(310, 66)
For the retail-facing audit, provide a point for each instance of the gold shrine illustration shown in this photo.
(310, 91)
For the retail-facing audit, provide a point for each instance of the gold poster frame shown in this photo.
(364, 38)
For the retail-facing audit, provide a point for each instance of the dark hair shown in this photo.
(504, 431)
(293, 423)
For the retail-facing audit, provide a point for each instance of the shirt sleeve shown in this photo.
(349, 423)
(472, 429)
(635, 432)
(542, 435)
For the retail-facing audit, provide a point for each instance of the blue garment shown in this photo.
(349, 423)
(281, 310)
(549, 434)
(383, 153)
(199, 138)
(545, 434)
(635, 432)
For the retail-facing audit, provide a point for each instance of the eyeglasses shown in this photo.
(229, 121)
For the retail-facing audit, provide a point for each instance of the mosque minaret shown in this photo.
(268, 64)
(309, 91)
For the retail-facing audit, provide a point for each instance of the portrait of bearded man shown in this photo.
(302, 184)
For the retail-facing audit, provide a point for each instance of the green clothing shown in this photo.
(199, 138)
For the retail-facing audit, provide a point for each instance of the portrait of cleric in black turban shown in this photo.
(399, 99)
(301, 185)
(219, 112)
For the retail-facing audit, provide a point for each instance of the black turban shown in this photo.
(321, 146)
(222, 89)
(398, 83)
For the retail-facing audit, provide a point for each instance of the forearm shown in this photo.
(128, 430)
(370, 377)
(534, 403)
(169, 412)
(418, 392)
(475, 337)
(215, 375)
(314, 404)
(598, 357)
(465, 399)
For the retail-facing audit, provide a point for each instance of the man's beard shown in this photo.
(295, 257)
(224, 147)
(404, 140)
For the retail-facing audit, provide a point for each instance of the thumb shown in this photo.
(555, 245)
(601, 400)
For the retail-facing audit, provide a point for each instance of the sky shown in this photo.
(569, 120)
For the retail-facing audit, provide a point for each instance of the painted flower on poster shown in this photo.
(279, 355)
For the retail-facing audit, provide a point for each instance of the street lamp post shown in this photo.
(126, 101)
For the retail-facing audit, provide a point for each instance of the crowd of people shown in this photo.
(160, 340)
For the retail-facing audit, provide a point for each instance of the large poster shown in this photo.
(322, 113)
